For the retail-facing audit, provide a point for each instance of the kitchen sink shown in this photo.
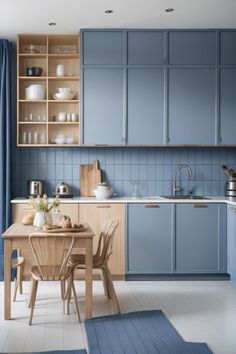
(184, 197)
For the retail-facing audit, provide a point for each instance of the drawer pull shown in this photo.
(233, 210)
(199, 206)
(103, 206)
(151, 206)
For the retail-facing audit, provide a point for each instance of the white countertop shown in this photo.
(125, 200)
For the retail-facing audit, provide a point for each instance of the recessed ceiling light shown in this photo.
(52, 23)
(169, 10)
(109, 12)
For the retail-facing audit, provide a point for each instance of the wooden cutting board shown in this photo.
(90, 177)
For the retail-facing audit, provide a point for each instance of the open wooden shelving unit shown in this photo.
(38, 116)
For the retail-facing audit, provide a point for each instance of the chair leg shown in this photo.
(20, 277)
(34, 293)
(15, 289)
(75, 300)
(112, 290)
(68, 294)
(29, 301)
(105, 284)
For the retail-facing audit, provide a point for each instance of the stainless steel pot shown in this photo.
(35, 188)
(230, 187)
(63, 190)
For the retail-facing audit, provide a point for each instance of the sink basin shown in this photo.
(184, 197)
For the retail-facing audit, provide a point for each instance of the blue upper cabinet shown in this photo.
(103, 47)
(228, 106)
(103, 106)
(228, 48)
(145, 106)
(191, 106)
(192, 48)
(145, 48)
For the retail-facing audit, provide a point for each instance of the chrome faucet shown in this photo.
(178, 168)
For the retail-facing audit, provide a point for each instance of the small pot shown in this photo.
(34, 71)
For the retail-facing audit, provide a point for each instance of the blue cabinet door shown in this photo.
(145, 106)
(146, 48)
(200, 238)
(227, 106)
(231, 242)
(192, 48)
(103, 106)
(191, 106)
(102, 47)
(150, 240)
(228, 48)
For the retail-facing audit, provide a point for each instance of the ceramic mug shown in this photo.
(60, 70)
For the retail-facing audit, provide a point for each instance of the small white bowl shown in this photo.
(64, 89)
(70, 140)
(103, 194)
(64, 95)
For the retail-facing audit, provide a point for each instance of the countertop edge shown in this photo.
(127, 200)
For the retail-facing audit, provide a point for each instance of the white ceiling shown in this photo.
(31, 16)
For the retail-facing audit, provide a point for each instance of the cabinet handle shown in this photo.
(233, 210)
(151, 206)
(199, 206)
(101, 145)
(103, 206)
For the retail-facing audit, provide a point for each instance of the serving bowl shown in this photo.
(70, 140)
(64, 95)
(34, 71)
(35, 92)
(103, 193)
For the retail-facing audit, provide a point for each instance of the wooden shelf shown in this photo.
(48, 60)
(64, 123)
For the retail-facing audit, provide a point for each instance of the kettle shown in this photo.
(63, 190)
(35, 188)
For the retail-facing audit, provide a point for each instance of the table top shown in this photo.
(18, 231)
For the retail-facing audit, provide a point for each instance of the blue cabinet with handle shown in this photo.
(231, 242)
(191, 114)
(150, 238)
(103, 106)
(145, 111)
(200, 238)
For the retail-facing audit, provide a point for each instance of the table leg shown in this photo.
(89, 279)
(7, 278)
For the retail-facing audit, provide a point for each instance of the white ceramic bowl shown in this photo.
(64, 89)
(103, 193)
(70, 140)
(60, 139)
(64, 95)
(35, 92)
(102, 187)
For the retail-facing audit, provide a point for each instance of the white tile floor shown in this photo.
(201, 311)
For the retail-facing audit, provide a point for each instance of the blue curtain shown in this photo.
(7, 116)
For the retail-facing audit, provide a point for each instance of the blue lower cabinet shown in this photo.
(150, 238)
(201, 238)
(231, 243)
(145, 106)
(103, 106)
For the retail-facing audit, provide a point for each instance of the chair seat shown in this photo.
(52, 272)
(16, 262)
(78, 260)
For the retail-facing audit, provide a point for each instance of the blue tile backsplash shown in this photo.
(147, 170)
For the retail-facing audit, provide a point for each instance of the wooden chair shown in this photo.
(100, 260)
(17, 263)
(51, 252)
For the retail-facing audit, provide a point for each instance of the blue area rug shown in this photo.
(79, 351)
(144, 332)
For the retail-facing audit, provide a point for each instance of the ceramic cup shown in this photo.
(60, 70)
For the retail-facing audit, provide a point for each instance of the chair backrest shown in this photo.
(105, 242)
(51, 253)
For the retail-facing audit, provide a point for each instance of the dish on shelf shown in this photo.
(70, 140)
(63, 95)
(35, 92)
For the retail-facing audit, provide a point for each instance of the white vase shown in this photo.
(42, 218)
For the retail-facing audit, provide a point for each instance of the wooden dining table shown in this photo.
(16, 237)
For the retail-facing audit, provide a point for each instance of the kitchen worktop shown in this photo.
(126, 200)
